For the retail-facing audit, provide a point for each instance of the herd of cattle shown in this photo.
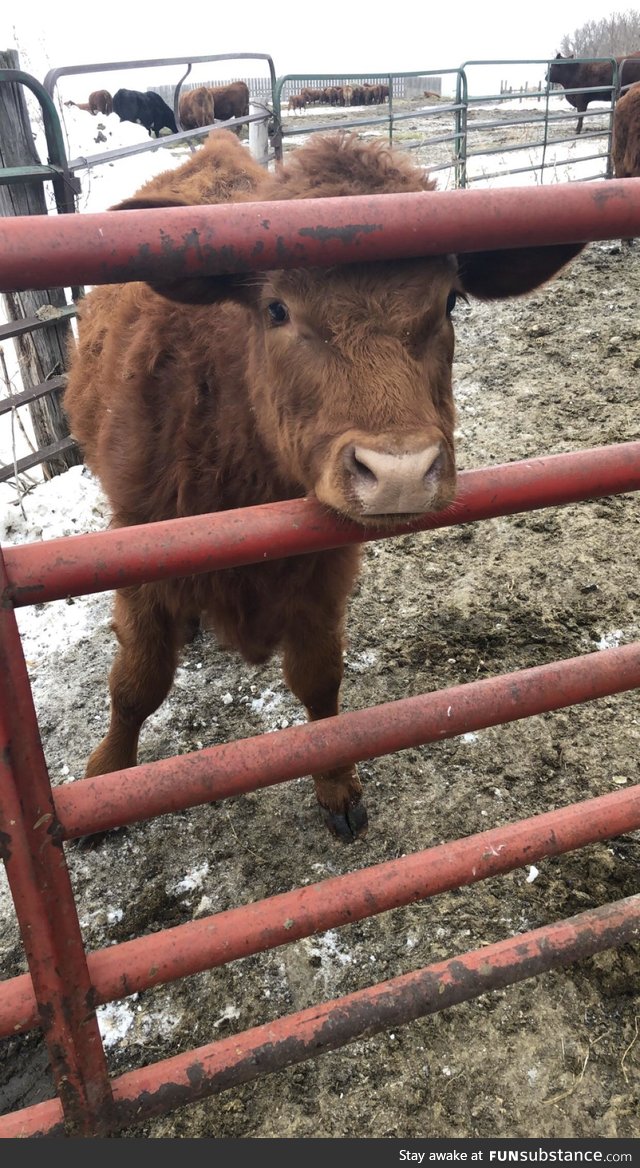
(204, 105)
(196, 107)
(365, 94)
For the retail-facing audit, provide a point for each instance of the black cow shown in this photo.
(147, 109)
(588, 75)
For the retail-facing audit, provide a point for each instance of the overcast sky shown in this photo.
(331, 36)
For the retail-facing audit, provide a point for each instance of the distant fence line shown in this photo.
(260, 87)
(536, 89)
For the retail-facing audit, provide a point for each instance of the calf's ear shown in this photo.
(492, 275)
(192, 289)
(242, 289)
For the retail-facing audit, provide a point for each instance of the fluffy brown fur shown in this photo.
(333, 382)
(625, 149)
(219, 172)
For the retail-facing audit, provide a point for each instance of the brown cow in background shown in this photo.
(330, 95)
(226, 391)
(199, 107)
(100, 102)
(312, 96)
(196, 108)
(231, 101)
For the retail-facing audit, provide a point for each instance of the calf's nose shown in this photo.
(394, 484)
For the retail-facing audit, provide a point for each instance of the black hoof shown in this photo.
(347, 826)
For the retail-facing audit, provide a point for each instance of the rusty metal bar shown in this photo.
(115, 246)
(234, 768)
(31, 847)
(81, 564)
(187, 1078)
(137, 965)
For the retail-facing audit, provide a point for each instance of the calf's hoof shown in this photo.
(348, 825)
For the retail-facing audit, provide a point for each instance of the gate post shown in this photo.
(32, 850)
(259, 135)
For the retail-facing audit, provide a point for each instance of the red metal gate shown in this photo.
(65, 984)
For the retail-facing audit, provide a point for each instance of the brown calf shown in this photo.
(297, 102)
(227, 391)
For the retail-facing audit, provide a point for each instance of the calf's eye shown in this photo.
(278, 312)
(451, 302)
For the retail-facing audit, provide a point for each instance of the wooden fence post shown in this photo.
(42, 354)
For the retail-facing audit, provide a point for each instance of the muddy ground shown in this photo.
(554, 1056)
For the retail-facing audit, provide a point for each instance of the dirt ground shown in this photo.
(555, 1056)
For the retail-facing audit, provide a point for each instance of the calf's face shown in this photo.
(350, 375)
(349, 369)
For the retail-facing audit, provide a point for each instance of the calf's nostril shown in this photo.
(435, 469)
(364, 472)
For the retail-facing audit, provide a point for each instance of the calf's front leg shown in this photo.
(141, 675)
(313, 670)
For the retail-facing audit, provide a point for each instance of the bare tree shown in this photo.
(613, 36)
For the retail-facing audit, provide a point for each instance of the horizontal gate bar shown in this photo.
(234, 768)
(81, 564)
(32, 394)
(133, 966)
(31, 324)
(186, 1078)
(38, 456)
(113, 246)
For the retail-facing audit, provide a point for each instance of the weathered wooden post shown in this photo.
(43, 353)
